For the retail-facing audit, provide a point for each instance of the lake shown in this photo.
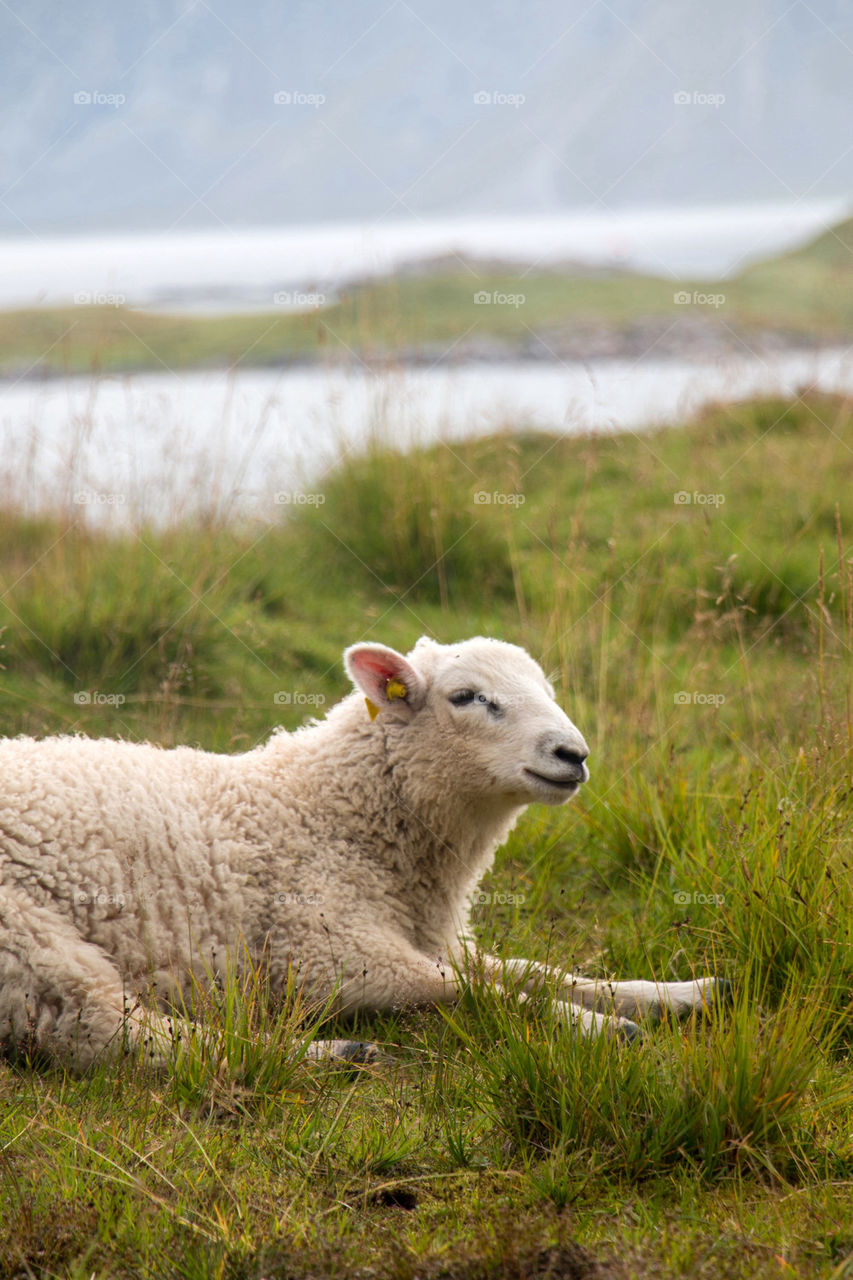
(156, 446)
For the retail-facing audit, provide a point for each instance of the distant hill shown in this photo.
(833, 249)
(432, 311)
(806, 290)
(183, 113)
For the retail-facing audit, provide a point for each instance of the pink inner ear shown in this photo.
(371, 669)
(378, 666)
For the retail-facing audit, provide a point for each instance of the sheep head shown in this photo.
(481, 713)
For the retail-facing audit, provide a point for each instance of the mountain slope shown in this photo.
(633, 102)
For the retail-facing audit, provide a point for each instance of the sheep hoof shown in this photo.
(723, 993)
(629, 1032)
(355, 1052)
(359, 1052)
(724, 990)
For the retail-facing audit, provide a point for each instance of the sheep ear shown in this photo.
(388, 680)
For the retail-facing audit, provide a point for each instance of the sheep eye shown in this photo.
(465, 698)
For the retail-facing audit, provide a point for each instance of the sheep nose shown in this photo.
(570, 755)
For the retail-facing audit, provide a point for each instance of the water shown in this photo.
(245, 270)
(152, 447)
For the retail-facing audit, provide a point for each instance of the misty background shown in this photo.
(189, 114)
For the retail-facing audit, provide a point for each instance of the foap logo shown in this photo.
(480, 899)
(295, 698)
(482, 298)
(101, 897)
(295, 498)
(486, 99)
(85, 299)
(506, 700)
(684, 898)
(300, 899)
(297, 98)
(693, 98)
(483, 499)
(687, 697)
(687, 498)
(91, 498)
(296, 299)
(94, 698)
(95, 98)
(683, 298)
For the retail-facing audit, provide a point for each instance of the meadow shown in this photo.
(690, 591)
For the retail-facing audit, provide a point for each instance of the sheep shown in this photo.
(348, 851)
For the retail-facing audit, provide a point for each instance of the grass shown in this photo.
(704, 648)
(801, 296)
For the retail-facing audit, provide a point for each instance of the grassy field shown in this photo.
(802, 296)
(691, 592)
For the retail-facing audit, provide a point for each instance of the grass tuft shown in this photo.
(720, 1099)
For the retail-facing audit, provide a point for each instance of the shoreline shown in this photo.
(665, 339)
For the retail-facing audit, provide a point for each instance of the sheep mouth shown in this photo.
(569, 785)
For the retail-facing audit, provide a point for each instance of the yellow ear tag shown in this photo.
(393, 689)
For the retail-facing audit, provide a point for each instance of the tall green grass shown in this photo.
(725, 1099)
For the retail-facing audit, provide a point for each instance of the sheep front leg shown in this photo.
(395, 976)
(408, 978)
(627, 999)
(527, 977)
(652, 1000)
(398, 976)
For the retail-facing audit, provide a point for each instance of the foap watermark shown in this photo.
(95, 98)
(695, 698)
(688, 497)
(505, 700)
(686, 298)
(482, 498)
(299, 899)
(101, 897)
(490, 98)
(480, 899)
(694, 98)
(683, 898)
(483, 298)
(83, 298)
(296, 498)
(298, 98)
(95, 698)
(297, 299)
(296, 698)
(93, 498)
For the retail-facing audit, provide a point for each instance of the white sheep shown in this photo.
(349, 849)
